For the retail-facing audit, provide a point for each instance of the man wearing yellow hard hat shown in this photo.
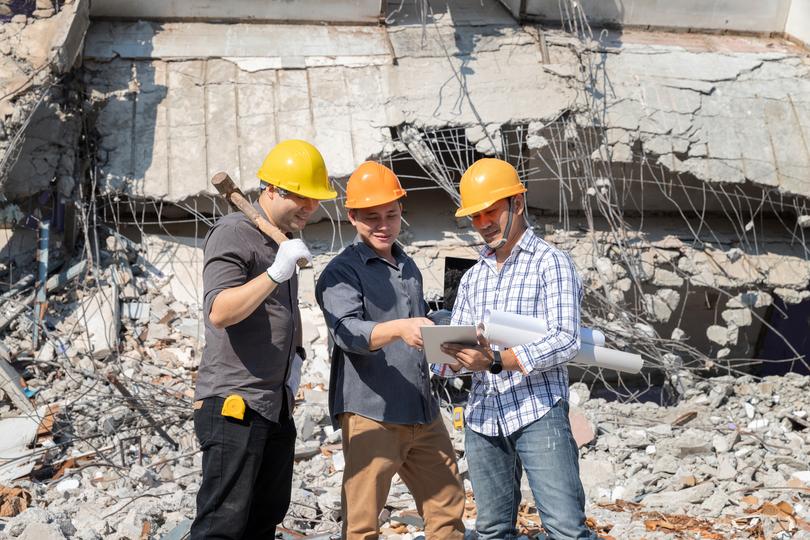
(517, 413)
(252, 355)
(379, 390)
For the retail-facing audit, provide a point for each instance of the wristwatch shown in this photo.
(496, 366)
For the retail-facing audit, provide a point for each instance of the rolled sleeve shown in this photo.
(227, 263)
(339, 295)
(562, 291)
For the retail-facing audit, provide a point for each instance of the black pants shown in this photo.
(247, 471)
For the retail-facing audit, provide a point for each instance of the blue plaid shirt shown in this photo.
(538, 280)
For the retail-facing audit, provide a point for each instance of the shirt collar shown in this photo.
(367, 254)
(527, 242)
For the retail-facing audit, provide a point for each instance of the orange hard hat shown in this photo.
(486, 182)
(372, 184)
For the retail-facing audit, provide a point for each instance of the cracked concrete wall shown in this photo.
(680, 112)
(167, 124)
(728, 118)
(49, 152)
(34, 52)
(716, 109)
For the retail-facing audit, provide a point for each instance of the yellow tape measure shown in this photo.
(234, 406)
(458, 418)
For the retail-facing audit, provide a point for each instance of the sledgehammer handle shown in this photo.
(229, 190)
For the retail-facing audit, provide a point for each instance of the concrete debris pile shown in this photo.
(107, 449)
(711, 301)
(733, 452)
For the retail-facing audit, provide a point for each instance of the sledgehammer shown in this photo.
(231, 193)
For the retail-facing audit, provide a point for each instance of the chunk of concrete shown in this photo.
(666, 278)
(737, 317)
(722, 335)
(42, 531)
(598, 476)
(16, 434)
(99, 313)
(752, 299)
(137, 311)
(692, 495)
(691, 443)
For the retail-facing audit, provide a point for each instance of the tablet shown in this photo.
(434, 336)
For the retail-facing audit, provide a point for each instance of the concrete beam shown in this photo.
(334, 11)
(253, 46)
(726, 15)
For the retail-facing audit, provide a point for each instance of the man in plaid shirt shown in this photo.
(517, 414)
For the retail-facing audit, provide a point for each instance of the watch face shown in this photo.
(496, 368)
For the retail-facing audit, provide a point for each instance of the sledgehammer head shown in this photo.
(225, 185)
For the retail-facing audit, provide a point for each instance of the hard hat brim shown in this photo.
(465, 211)
(369, 203)
(317, 194)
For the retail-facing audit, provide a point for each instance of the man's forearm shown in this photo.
(510, 361)
(233, 305)
(382, 334)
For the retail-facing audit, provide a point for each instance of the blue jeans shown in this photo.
(546, 449)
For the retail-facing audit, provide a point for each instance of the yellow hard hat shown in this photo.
(298, 167)
(486, 182)
(372, 184)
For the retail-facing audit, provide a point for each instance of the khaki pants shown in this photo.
(425, 460)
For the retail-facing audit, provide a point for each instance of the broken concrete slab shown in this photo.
(16, 434)
(99, 313)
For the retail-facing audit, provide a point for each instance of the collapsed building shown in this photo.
(667, 150)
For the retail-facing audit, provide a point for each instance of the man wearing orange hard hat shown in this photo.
(379, 390)
(252, 358)
(517, 412)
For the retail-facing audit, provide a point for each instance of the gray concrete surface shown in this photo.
(343, 11)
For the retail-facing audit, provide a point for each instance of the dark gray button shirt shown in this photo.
(357, 290)
(251, 358)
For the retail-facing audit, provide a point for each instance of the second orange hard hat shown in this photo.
(372, 184)
(487, 181)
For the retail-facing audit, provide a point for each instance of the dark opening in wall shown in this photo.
(454, 268)
(788, 336)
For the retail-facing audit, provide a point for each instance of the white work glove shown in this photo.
(287, 257)
(294, 377)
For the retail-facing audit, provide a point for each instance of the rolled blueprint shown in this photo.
(509, 330)
(592, 355)
(527, 327)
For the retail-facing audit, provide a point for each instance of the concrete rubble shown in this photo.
(96, 430)
(727, 453)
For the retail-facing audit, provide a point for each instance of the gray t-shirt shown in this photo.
(357, 290)
(251, 358)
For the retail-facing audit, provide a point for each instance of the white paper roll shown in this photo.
(525, 328)
(509, 330)
(605, 358)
